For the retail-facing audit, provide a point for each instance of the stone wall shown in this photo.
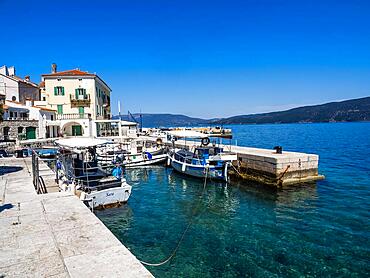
(13, 128)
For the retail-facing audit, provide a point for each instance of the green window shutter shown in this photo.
(81, 110)
(62, 91)
(55, 91)
(60, 109)
(76, 93)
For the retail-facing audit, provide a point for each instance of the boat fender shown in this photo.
(83, 196)
(183, 168)
(73, 188)
(168, 161)
(205, 141)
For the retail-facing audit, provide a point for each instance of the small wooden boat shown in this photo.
(204, 161)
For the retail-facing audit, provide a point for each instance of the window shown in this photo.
(80, 93)
(81, 110)
(14, 98)
(20, 130)
(44, 98)
(52, 117)
(59, 91)
(60, 109)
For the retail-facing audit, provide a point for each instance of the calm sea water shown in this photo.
(242, 230)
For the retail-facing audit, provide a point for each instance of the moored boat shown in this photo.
(79, 173)
(203, 161)
(135, 154)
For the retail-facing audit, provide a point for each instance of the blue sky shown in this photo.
(200, 58)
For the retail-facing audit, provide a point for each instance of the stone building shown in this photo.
(23, 122)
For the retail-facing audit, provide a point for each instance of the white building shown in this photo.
(27, 122)
(79, 98)
(15, 88)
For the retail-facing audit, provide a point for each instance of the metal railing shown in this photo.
(38, 181)
(80, 100)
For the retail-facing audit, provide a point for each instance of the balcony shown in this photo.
(73, 116)
(80, 100)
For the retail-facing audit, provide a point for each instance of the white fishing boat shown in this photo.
(201, 161)
(137, 153)
(79, 173)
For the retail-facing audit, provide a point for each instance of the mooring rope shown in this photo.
(236, 170)
(184, 232)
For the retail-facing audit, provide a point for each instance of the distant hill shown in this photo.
(354, 110)
(165, 120)
(344, 111)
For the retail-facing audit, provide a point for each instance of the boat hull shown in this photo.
(199, 171)
(107, 197)
(133, 161)
(161, 158)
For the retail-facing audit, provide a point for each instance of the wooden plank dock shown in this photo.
(55, 234)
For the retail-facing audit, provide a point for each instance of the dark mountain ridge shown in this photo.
(354, 110)
(164, 120)
(343, 111)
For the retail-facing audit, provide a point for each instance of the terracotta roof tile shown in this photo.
(74, 72)
(44, 108)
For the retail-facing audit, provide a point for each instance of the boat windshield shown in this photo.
(207, 152)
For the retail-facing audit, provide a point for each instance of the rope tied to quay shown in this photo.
(172, 255)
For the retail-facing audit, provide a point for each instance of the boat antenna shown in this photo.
(141, 121)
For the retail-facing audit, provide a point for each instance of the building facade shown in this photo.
(78, 97)
(24, 122)
(15, 88)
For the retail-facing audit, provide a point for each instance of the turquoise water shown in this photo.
(246, 230)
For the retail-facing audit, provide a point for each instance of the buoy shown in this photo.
(205, 141)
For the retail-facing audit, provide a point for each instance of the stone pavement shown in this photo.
(54, 234)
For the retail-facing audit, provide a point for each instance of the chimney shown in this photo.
(53, 68)
(11, 71)
(4, 70)
(27, 78)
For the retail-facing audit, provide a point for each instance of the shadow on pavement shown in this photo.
(9, 169)
(4, 207)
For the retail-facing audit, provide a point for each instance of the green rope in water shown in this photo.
(184, 232)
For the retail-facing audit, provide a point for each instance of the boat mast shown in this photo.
(119, 110)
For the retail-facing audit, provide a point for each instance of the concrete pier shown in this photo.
(276, 169)
(55, 234)
(266, 166)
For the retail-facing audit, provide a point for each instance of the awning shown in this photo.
(81, 142)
